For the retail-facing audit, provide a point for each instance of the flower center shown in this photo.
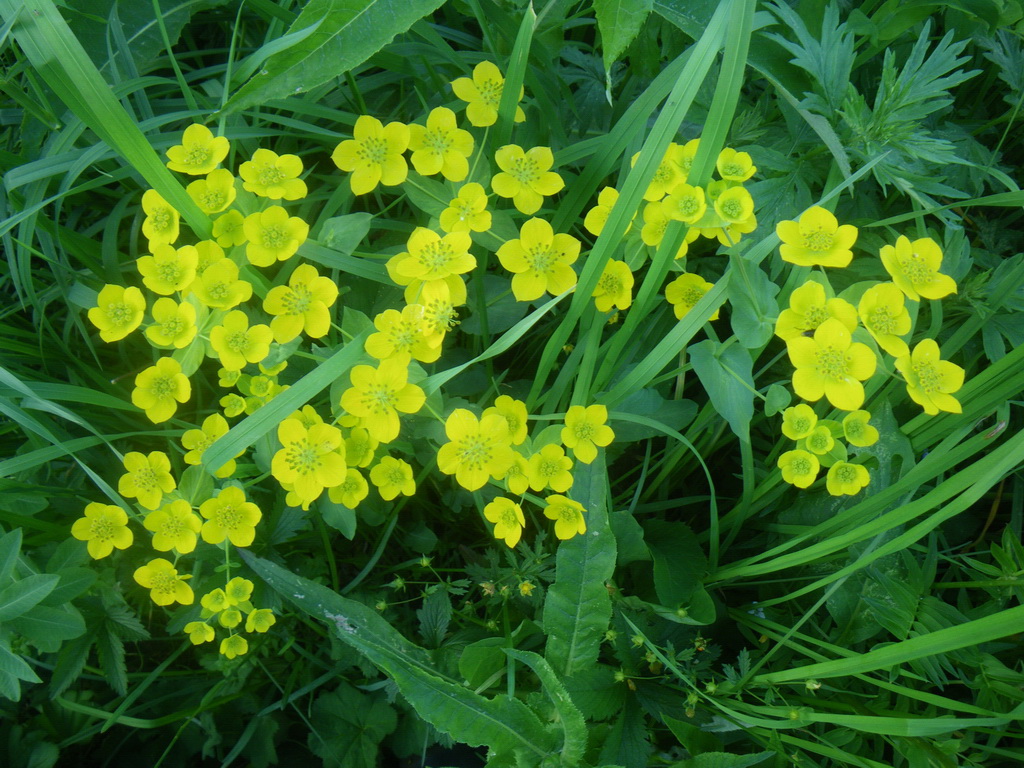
(819, 241)
(692, 295)
(403, 336)
(584, 430)
(474, 452)
(380, 399)
(145, 479)
(172, 328)
(218, 291)
(298, 300)
(302, 457)
(819, 441)
(161, 219)
(568, 514)
(435, 257)
(917, 270)
(396, 476)
(688, 206)
(197, 155)
(212, 200)
(928, 377)
(881, 321)
(548, 468)
(102, 529)
(832, 364)
(525, 170)
(732, 169)
(237, 341)
(490, 92)
(274, 236)
(269, 175)
(846, 474)
(801, 425)
(801, 466)
(168, 272)
(438, 141)
(440, 316)
(173, 527)
(373, 150)
(854, 429)
(609, 284)
(227, 517)
(162, 386)
(119, 314)
(815, 316)
(732, 210)
(541, 258)
(509, 519)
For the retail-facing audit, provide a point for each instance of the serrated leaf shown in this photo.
(619, 22)
(111, 653)
(574, 728)
(22, 595)
(726, 374)
(596, 691)
(349, 32)
(70, 664)
(434, 616)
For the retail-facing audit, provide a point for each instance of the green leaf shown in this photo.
(501, 723)
(726, 373)
(434, 616)
(73, 582)
(696, 740)
(196, 485)
(348, 33)
(344, 233)
(338, 516)
(70, 664)
(674, 414)
(752, 298)
(482, 660)
(723, 760)
(10, 546)
(14, 665)
(777, 399)
(348, 726)
(22, 595)
(619, 22)
(578, 607)
(48, 627)
(110, 649)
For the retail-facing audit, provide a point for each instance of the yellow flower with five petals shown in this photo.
(273, 176)
(832, 365)
(526, 176)
(816, 239)
(931, 381)
(540, 260)
(482, 95)
(118, 311)
(508, 520)
(104, 528)
(441, 147)
(914, 267)
(199, 152)
(374, 155)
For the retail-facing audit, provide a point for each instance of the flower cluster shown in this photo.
(818, 444)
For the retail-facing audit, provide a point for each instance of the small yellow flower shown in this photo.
(515, 415)
(858, 431)
(799, 421)
(884, 314)
(260, 620)
(374, 155)
(685, 203)
(597, 216)
(199, 632)
(436, 257)
(482, 95)
(273, 235)
(174, 526)
(808, 308)
(831, 365)
(931, 381)
(234, 645)
(238, 591)
(302, 305)
(614, 288)
(439, 313)
(147, 478)
(229, 515)
(162, 222)
(169, 269)
(232, 404)
(210, 253)
(350, 491)
(104, 528)
(799, 468)
(229, 229)
(477, 449)
(683, 156)
(118, 311)
(468, 211)
(219, 286)
(174, 324)
(525, 177)
(819, 441)
(237, 344)
(550, 468)
(585, 430)
(199, 152)
(508, 520)
(159, 388)
(377, 394)
(540, 261)
(844, 479)
(817, 239)
(273, 176)
(442, 147)
(196, 441)
(359, 448)
(914, 267)
(656, 221)
(213, 602)
(164, 583)
(393, 476)
(666, 177)
(734, 166)
(403, 335)
(214, 193)
(567, 514)
(735, 205)
(516, 479)
(526, 588)
(310, 459)
(685, 291)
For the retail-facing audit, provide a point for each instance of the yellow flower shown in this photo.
(214, 193)
(393, 476)
(931, 381)
(685, 291)
(656, 221)
(808, 308)
(402, 335)
(799, 468)
(439, 315)
(229, 229)
(857, 430)
(482, 95)
(585, 430)
(567, 514)
(914, 267)
(597, 216)
(220, 288)
(468, 211)
(260, 620)
(169, 269)
(683, 156)
(196, 441)
(735, 206)
(359, 448)
(164, 583)
(884, 314)
(540, 261)
(515, 415)
(104, 527)
(273, 235)
(734, 166)
(310, 459)
(229, 515)
(234, 645)
(199, 152)
(477, 449)
(236, 343)
(147, 479)
(232, 404)
(817, 239)
(516, 479)
(161, 225)
(799, 421)
(666, 177)
(441, 147)
(831, 364)
(685, 203)
(614, 288)
(844, 479)
(350, 491)
(436, 257)
(118, 311)
(273, 176)
(508, 520)
(526, 177)
(199, 632)
(210, 253)
(550, 468)
(174, 324)
(377, 394)
(159, 388)
(819, 441)
(302, 305)
(374, 155)
(174, 527)
(526, 588)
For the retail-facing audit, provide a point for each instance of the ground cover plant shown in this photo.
(584, 384)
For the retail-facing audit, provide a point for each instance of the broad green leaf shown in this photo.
(501, 723)
(674, 414)
(619, 21)
(696, 740)
(48, 627)
(73, 582)
(723, 760)
(679, 561)
(344, 233)
(10, 546)
(578, 607)
(14, 665)
(482, 660)
(574, 728)
(752, 298)
(338, 516)
(726, 373)
(777, 399)
(20, 596)
(347, 33)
